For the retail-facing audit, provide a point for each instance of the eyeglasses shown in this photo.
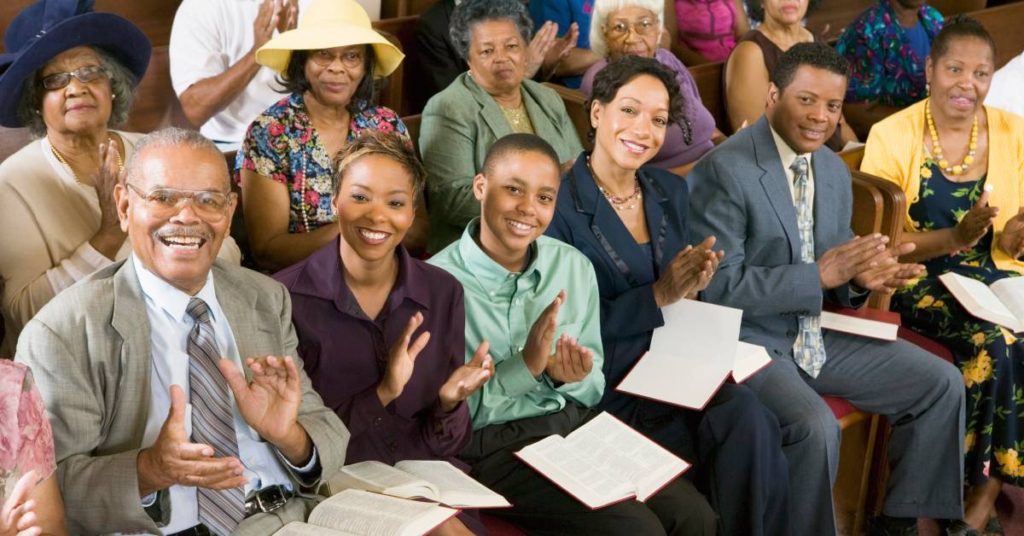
(349, 58)
(642, 27)
(84, 75)
(209, 205)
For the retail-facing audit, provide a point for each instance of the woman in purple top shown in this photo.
(381, 333)
(634, 27)
(705, 31)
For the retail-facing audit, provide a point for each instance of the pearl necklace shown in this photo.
(60, 158)
(619, 202)
(972, 146)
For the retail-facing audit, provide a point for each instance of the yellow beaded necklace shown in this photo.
(972, 146)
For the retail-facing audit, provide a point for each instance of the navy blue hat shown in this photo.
(48, 27)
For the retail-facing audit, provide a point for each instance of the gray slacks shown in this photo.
(921, 395)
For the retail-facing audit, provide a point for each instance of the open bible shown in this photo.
(693, 354)
(1001, 302)
(433, 480)
(361, 513)
(604, 462)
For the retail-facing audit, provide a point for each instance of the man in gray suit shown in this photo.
(780, 205)
(156, 428)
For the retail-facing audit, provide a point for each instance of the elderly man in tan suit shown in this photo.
(177, 401)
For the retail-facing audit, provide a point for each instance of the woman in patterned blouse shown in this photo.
(30, 501)
(327, 64)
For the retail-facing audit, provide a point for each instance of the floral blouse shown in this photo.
(26, 440)
(883, 66)
(283, 144)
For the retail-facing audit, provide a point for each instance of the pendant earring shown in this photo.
(927, 88)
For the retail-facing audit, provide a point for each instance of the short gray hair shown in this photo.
(122, 83)
(603, 8)
(471, 12)
(171, 137)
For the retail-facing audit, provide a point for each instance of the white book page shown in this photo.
(382, 478)
(297, 528)
(690, 356)
(369, 514)
(455, 487)
(865, 327)
(1011, 292)
(980, 301)
(750, 358)
(627, 454)
(575, 472)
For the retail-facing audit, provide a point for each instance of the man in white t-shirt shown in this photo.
(1004, 93)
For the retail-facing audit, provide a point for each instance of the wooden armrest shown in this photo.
(878, 207)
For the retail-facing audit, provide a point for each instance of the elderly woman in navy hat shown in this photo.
(68, 76)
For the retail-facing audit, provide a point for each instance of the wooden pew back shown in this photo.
(156, 105)
(404, 8)
(709, 78)
(153, 17)
(1003, 23)
(397, 88)
(575, 106)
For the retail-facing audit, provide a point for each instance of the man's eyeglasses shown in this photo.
(84, 75)
(351, 59)
(643, 27)
(211, 206)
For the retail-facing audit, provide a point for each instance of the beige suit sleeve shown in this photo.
(101, 490)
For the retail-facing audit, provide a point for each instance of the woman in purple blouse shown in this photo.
(634, 28)
(382, 334)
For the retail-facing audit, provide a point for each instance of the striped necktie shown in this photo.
(212, 419)
(809, 348)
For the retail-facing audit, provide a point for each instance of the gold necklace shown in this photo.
(619, 202)
(515, 116)
(60, 158)
(972, 146)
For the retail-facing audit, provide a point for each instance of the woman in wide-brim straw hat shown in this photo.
(285, 166)
(68, 77)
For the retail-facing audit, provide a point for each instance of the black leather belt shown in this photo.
(198, 530)
(267, 499)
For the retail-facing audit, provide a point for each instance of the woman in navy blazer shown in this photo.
(631, 222)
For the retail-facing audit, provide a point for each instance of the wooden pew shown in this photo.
(12, 140)
(1004, 23)
(154, 17)
(396, 88)
(404, 8)
(710, 81)
(156, 104)
(412, 123)
(575, 102)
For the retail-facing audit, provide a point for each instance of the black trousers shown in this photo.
(737, 445)
(541, 507)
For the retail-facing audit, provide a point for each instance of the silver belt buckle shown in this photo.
(267, 499)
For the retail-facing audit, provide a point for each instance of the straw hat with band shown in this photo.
(48, 27)
(329, 24)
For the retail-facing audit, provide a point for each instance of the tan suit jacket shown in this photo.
(89, 350)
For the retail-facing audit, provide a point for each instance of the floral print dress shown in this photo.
(283, 144)
(990, 357)
(26, 440)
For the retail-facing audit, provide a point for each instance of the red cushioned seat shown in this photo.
(925, 343)
(839, 406)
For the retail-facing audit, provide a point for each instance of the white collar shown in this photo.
(171, 299)
(786, 153)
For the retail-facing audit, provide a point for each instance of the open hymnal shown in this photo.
(859, 325)
(1001, 302)
(604, 462)
(692, 355)
(361, 513)
(433, 480)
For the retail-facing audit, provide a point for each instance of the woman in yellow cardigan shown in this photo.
(961, 165)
